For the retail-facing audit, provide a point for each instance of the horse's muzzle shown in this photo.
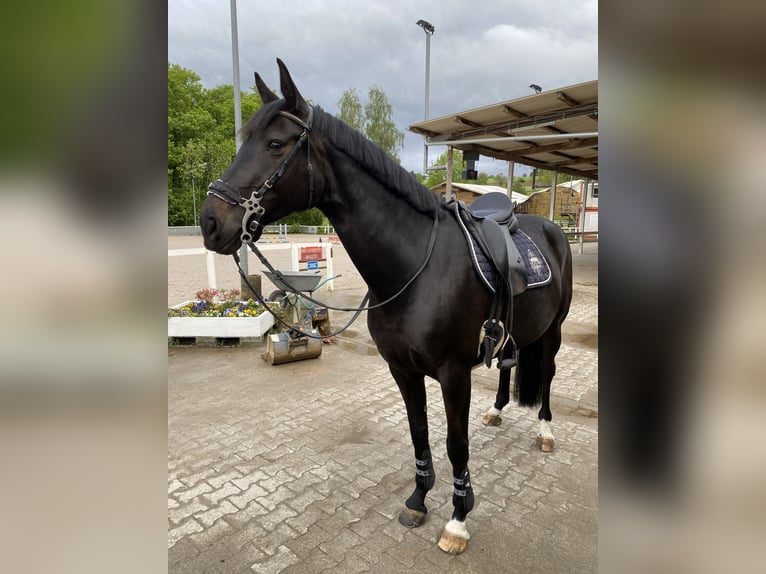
(216, 235)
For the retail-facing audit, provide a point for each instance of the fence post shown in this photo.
(328, 260)
(255, 281)
(211, 280)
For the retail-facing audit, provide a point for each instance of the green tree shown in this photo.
(544, 178)
(374, 119)
(201, 142)
(351, 110)
(498, 179)
(379, 124)
(219, 101)
(440, 176)
(419, 176)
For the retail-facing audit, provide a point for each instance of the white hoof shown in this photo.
(454, 539)
(492, 418)
(545, 441)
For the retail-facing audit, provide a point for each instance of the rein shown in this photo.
(357, 310)
(254, 212)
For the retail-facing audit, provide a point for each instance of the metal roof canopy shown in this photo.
(555, 130)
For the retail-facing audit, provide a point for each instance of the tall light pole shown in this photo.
(235, 73)
(429, 29)
(237, 102)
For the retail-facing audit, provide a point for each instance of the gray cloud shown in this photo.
(482, 52)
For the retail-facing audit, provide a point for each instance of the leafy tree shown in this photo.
(419, 176)
(201, 142)
(498, 179)
(220, 103)
(351, 110)
(440, 176)
(379, 124)
(374, 119)
(544, 177)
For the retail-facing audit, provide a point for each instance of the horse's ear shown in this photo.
(295, 101)
(267, 96)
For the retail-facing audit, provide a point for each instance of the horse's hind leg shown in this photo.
(492, 416)
(413, 389)
(550, 343)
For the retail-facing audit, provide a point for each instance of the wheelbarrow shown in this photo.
(302, 340)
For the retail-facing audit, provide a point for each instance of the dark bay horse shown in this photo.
(406, 244)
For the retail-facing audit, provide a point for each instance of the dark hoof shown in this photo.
(411, 518)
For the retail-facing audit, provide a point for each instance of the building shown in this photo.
(468, 192)
(567, 209)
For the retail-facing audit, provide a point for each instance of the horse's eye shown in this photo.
(275, 145)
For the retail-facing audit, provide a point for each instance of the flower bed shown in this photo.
(219, 314)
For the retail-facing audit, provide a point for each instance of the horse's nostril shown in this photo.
(209, 226)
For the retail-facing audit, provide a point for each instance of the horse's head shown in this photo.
(270, 176)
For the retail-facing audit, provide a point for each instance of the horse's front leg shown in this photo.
(413, 389)
(456, 390)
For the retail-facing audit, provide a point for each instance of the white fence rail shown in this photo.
(294, 258)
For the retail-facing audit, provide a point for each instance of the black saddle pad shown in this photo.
(538, 270)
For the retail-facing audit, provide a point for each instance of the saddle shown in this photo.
(489, 223)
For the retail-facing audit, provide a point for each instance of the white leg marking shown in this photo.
(457, 528)
(545, 429)
(494, 411)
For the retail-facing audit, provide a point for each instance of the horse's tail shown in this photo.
(528, 382)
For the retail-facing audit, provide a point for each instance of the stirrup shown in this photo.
(493, 336)
(504, 362)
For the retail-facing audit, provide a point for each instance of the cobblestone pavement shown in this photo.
(303, 467)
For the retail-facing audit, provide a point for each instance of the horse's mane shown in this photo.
(375, 161)
(369, 156)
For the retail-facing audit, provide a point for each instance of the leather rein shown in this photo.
(254, 212)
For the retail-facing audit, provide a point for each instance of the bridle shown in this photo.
(253, 209)
(254, 213)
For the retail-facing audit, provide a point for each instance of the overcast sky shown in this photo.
(482, 52)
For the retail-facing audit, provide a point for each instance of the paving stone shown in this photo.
(185, 529)
(243, 499)
(193, 493)
(276, 563)
(178, 515)
(280, 535)
(224, 491)
(315, 561)
(241, 560)
(208, 558)
(221, 530)
(209, 517)
(183, 549)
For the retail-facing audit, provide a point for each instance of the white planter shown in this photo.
(222, 327)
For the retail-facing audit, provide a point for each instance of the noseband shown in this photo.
(253, 209)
